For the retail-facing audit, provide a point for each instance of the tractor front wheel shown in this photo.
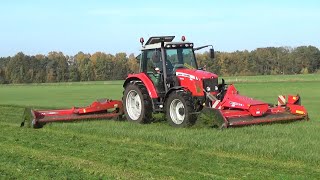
(179, 109)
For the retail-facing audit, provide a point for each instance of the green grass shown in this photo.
(123, 150)
(63, 95)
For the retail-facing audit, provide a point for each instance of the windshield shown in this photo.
(181, 58)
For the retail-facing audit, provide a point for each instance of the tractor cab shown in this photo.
(161, 58)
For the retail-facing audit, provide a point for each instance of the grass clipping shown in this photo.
(210, 118)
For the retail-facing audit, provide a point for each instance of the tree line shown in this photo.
(264, 61)
(100, 66)
(57, 67)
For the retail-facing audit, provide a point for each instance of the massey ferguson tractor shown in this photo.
(171, 82)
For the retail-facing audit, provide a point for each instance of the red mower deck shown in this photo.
(100, 109)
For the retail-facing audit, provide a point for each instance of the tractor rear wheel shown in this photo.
(137, 103)
(179, 109)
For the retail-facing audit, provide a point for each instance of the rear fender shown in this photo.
(145, 80)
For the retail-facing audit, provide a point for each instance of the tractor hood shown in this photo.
(195, 74)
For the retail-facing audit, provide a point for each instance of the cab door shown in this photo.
(152, 66)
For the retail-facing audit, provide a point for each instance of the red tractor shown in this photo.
(171, 82)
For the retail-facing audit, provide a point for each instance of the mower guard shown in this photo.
(237, 110)
(99, 109)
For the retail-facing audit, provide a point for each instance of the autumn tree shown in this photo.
(57, 67)
(132, 64)
(60, 64)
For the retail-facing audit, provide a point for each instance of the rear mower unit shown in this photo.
(100, 109)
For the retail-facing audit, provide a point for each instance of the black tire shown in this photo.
(144, 106)
(184, 114)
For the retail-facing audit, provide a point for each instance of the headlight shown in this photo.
(208, 89)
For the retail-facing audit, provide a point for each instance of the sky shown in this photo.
(40, 26)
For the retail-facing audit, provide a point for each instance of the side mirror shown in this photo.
(211, 53)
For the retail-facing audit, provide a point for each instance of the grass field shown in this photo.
(123, 150)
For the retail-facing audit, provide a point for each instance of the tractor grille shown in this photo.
(212, 83)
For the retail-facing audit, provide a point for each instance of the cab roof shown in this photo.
(155, 42)
(158, 39)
